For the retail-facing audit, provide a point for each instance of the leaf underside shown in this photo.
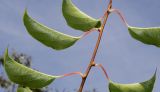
(25, 76)
(146, 86)
(150, 36)
(47, 36)
(23, 89)
(77, 19)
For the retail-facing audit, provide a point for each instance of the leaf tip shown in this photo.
(25, 14)
(6, 52)
(5, 55)
(155, 72)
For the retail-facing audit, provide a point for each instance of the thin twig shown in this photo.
(73, 73)
(88, 32)
(92, 63)
(103, 69)
(121, 16)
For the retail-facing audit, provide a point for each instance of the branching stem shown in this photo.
(92, 63)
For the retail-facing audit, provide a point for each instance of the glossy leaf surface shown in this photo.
(23, 89)
(146, 86)
(25, 76)
(48, 36)
(150, 36)
(77, 19)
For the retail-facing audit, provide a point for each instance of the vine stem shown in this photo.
(92, 63)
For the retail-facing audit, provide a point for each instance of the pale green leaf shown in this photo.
(25, 76)
(77, 19)
(146, 86)
(48, 36)
(150, 36)
(23, 89)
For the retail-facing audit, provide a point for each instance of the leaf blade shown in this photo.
(25, 76)
(47, 36)
(77, 19)
(146, 86)
(23, 89)
(150, 36)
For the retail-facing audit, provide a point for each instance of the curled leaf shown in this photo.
(23, 89)
(25, 76)
(48, 36)
(146, 86)
(150, 36)
(77, 19)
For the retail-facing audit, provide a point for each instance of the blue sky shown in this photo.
(126, 60)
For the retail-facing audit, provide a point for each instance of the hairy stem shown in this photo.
(92, 63)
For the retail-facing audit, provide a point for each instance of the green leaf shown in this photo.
(23, 89)
(150, 36)
(146, 86)
(25, 76)
(77, 19)
(48, 36)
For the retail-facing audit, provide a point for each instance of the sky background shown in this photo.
(125, 59)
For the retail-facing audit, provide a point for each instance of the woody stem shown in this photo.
(92, 63)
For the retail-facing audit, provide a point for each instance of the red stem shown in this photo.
(121, 16)
(103, 69)
(88, 32)
(73, 73)
(92, 63)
